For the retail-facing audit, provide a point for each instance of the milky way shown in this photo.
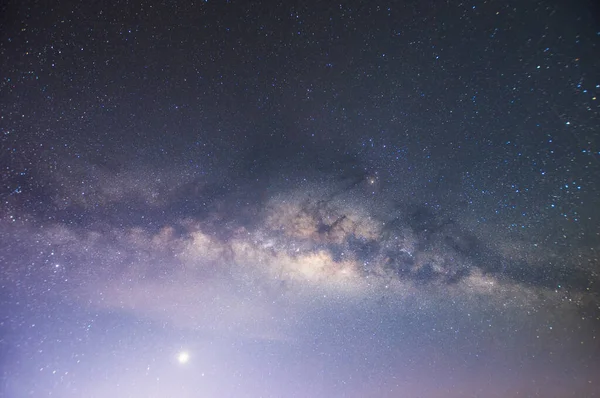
(285, 201)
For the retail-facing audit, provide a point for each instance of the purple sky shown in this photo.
(361, 199)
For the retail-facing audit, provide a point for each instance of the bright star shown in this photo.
(183, 357)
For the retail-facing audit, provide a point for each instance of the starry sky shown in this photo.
(299, 199)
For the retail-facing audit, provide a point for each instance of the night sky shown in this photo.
(299, 199)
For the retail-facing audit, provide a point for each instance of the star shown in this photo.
(183, 357)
